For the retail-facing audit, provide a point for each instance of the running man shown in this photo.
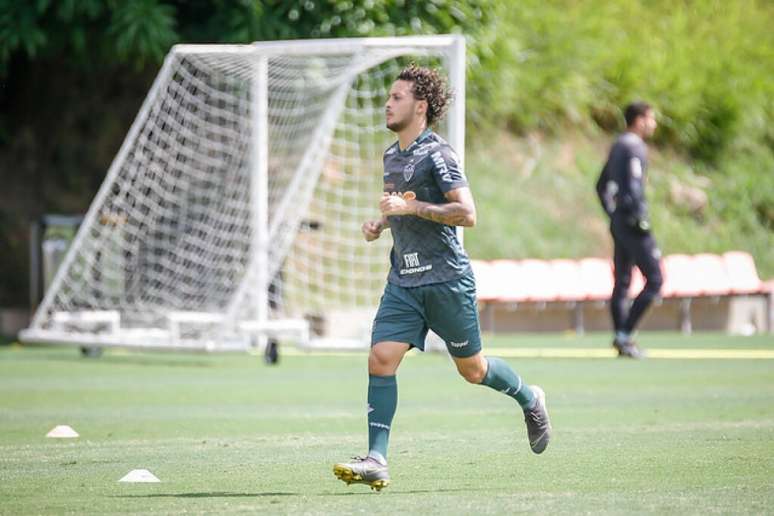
(621, 190)
(431, 283)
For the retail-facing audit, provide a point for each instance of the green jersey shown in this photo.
(424, 251)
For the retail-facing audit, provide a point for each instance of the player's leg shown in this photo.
(647, 257)
(398, 326)
(622, 273)
(452, 311)
(496, 374)
(383, 362)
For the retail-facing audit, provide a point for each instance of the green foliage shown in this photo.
(142, 31)
(706, 66)
(142, 28)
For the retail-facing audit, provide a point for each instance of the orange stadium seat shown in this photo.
(685, 276)
(596, 277)
(539, 283)
(510, 284)
(680, 277)
(486, 280)
(567, 277)
(742, 274)
(712, 274)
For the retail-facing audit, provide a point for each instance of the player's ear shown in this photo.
(421, 107)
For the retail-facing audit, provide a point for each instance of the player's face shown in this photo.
(648, 123)
(401, 106)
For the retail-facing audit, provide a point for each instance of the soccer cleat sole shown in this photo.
(348, 476)
(540, 444)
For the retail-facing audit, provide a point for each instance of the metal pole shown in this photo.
(259, 186)
(456, 64)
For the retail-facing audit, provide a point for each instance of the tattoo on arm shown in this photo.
(451, 214)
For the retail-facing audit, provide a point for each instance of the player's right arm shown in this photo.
(606, 189)
(631, 198)
(372, 229)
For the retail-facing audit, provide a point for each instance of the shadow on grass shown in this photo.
(221, 494)
(215, 494)
(42, 353)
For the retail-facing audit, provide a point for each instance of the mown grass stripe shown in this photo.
(658, 353)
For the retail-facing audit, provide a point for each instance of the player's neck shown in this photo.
(636, 131)
(407, 136)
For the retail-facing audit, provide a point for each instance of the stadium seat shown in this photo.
(486, 280)
(713, 275)
(510, 285)
(685, 276)
(540, 285)
(567, 278)
(596, 276)
(680, 277)
(742, 274)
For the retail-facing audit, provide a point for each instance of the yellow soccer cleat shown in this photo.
(363, 470)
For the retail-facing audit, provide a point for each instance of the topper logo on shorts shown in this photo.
(458, 344)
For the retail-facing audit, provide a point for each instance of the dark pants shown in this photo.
(633, 247)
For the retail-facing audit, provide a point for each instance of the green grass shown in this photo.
(229, 434)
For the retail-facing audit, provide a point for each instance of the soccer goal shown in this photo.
(232, 211)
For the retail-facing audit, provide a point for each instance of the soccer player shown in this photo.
(430, 284)
(621, 190)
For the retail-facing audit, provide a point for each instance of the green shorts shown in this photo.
(449, 309)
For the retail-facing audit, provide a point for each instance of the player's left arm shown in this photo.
(459, 210)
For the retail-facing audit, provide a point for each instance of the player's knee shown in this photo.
(382, 361)
(473, 373)
(654, 282)
(623, 281)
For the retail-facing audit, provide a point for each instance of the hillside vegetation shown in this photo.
(553, 78)
(535, 198)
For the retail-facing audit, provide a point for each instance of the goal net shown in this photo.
(232, 211)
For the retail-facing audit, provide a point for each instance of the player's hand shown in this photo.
(396, 204)
(372, 229)
(642, 226)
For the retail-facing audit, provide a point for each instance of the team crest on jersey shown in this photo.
(408, 171)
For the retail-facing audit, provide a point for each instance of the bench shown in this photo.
(576, 283)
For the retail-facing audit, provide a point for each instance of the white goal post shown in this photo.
(232, 212)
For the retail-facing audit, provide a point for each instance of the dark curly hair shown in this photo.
(635, 110)
(428, 85)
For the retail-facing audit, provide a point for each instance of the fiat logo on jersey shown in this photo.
(408, 172)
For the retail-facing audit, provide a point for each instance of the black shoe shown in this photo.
(538, 424)
(628, 349)
(271, 353)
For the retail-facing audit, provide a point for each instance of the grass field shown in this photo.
(229, 434)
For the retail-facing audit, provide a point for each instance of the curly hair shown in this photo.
(428, 85)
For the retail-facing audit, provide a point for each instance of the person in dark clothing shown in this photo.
(621, 190)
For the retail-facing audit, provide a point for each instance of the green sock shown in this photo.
(382, 401)
(500, 377)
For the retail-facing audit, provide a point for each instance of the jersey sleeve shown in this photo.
(446, 170)
(632, 192)
(606, 190)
